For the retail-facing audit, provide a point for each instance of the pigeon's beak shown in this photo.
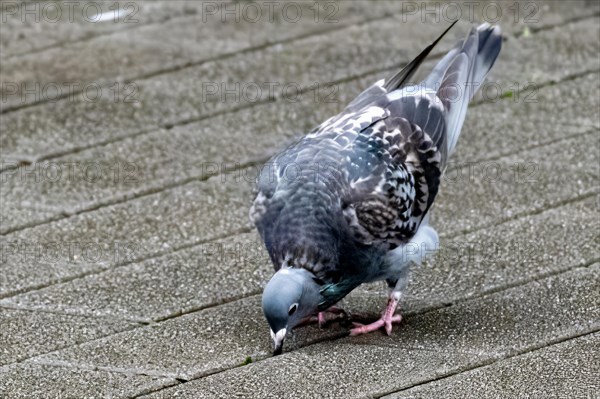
(278, 341)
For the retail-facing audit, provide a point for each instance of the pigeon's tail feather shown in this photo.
(399, 79)
(458, 76)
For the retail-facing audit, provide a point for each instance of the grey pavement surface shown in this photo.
(129, 267)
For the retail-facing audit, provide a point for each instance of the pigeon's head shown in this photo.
(291, 296)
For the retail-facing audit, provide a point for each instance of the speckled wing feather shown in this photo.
(392, 165)
(381, 165)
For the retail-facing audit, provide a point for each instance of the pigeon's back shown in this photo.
(367, 177)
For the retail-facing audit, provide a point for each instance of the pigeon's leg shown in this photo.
(388, 318)
(332, 313)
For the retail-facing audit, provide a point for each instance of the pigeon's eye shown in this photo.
(293, 309)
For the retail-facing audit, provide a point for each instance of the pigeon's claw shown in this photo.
(322, 318)
(386, 320)
(383, 322)
(332, 313)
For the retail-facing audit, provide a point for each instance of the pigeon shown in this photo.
(348, 203)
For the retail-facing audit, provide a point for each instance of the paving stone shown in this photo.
(564, 370)
(40, 381)
(183, 95)
(25, 333)
(427, 346)
(45, 24)
(146, 163)
(190, 345)
(548, 114)
(151, 225)
(206, 33)
(487, 192)
(204, 275)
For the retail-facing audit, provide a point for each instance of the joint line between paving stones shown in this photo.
(220, 57)
(27, 359)
(109, 369)
(519, 215)
(501, 155)
(66, 214)
(137, 260)
(191, 120)
(343, 335)
(33, 309)
(166, 126)
(250, 229)
(507, 286)
(489, 362)
(475, 297)
(251, 162)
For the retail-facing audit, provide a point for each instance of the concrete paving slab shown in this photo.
(210, 30)
(224, 270)
(151, 161)
(188, 346)
(533, 228)
(25, 334)
(487, 192)
(564, 370)
(548, 114)
(172, 98)
(96, 241)
(426, 347)
(510, 321)
(24, 381)
(569, 43)
(191, 279)
(28, 28)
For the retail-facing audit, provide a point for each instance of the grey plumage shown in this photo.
(344, 202)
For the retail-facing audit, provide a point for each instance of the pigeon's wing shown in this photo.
(395, 163)
(320, 152)
(394, 167)
(390, 144)
(390, 157)
(366, 109)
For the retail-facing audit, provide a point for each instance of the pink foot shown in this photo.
(333, 313)
(386, 320)
(383, 322)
